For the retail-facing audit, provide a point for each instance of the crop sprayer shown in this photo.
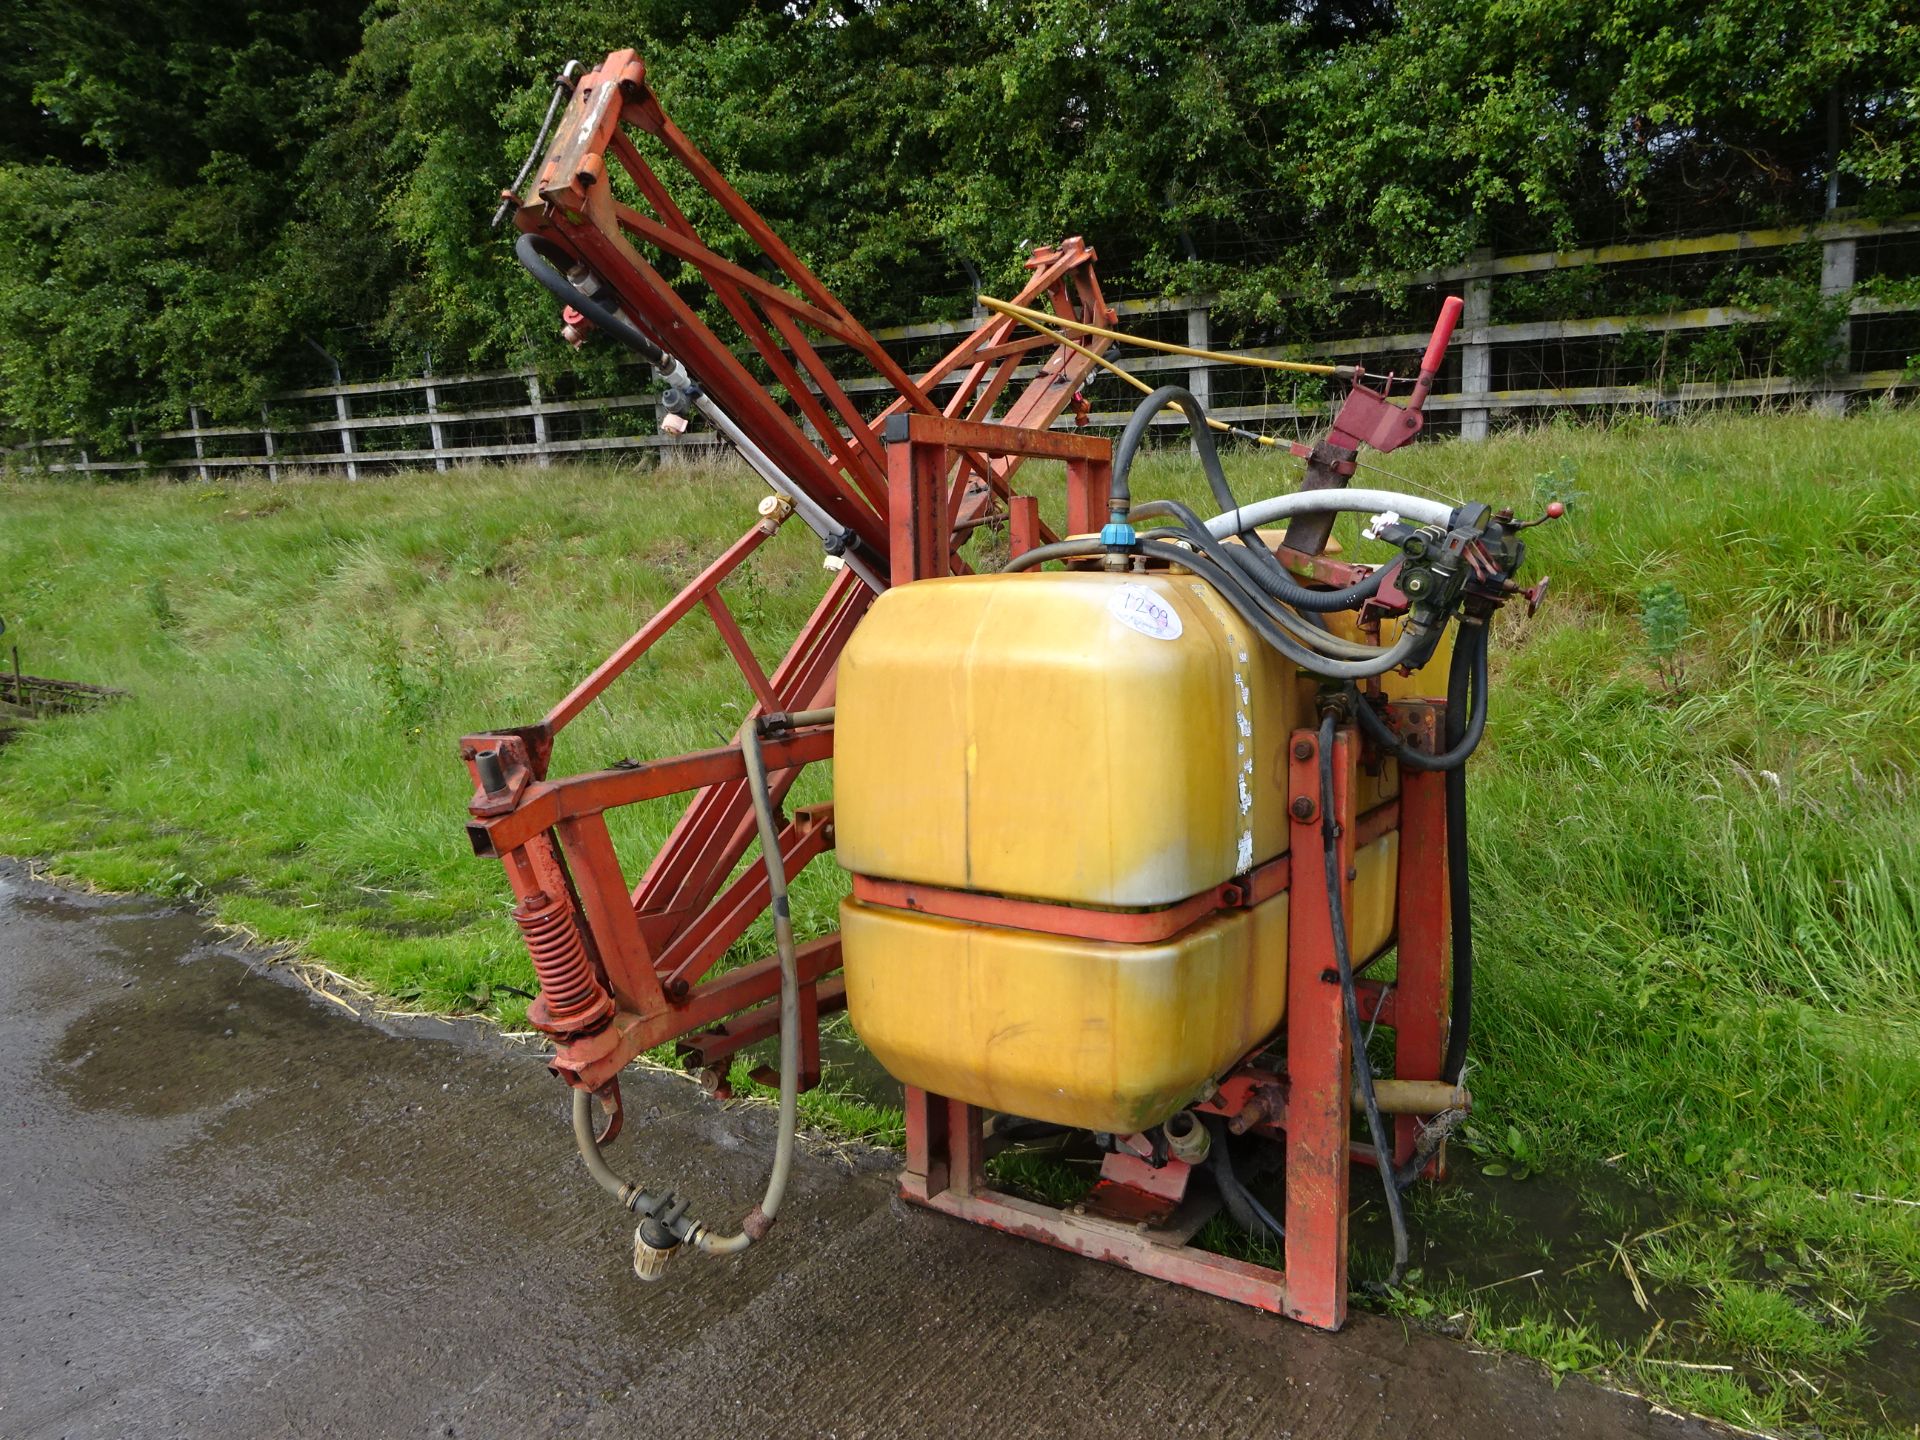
(1125, 836)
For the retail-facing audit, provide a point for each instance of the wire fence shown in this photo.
(1824, 314)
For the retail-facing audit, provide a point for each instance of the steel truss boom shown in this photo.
(615, 144)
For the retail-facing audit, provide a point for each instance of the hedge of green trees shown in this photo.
(189, 193)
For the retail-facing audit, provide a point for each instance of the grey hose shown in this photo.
(762, 1215)
(1278, 585)
(630, 1196)
(1402, 651)
(1283, 586)
(1317, 639)
(1305, 630)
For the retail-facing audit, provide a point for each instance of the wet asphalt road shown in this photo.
(230, 1209)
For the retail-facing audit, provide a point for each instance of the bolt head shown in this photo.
(1303, 749)
(1302, 808)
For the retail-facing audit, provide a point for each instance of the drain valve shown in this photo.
(653, 1247)
(659, 1235)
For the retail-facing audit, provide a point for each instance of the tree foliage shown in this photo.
(193, 192)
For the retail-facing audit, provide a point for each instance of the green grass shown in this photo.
(1697, 832)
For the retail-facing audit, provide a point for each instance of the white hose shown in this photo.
(1303, 502)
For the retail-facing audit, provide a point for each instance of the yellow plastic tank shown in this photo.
(1102, 741)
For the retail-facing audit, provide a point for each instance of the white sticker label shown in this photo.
(1138, 608)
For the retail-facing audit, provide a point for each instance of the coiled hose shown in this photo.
(1246, 602)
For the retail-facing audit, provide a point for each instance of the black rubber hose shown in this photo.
(1469, 665)
(527, 251)
(1242, 1205)
(1461, 736)
(1459, 884)
(1272, 578)
(1058, 550)
(1249, 607)
(1141, 421)
(1138, 426)
(1350, 1001)
(1234, 590)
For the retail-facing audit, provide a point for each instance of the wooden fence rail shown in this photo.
(439, 415)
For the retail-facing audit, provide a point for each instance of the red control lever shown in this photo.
(1367, 417)
(1450, 310)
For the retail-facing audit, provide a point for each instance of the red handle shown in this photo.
(1442, 333)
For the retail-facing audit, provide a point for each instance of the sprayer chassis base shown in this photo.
(1162, 1253)
(1307, 1110)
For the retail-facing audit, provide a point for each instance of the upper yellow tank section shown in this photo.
(1082, 737)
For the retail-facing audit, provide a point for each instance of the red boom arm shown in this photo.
(650, 948)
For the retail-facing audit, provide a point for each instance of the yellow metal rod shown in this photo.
(1033, 320)
(1298, 367)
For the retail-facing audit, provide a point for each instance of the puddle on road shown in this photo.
(221, 1030)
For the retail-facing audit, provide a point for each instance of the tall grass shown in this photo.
(1698, 883)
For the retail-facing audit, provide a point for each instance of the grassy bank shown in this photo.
(1697, 837)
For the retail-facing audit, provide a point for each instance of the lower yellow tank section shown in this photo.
(1087, 1033)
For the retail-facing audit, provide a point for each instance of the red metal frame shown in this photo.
(653, 944)
(911, 483)
(1308, 1108)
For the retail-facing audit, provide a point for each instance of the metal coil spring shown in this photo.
(574, 996)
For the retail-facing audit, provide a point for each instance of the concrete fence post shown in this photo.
(434, 432)
(1837, 262)
(1200, 377)
(539, 422)
(199, 444)
(266, 443)
(1476, 355)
